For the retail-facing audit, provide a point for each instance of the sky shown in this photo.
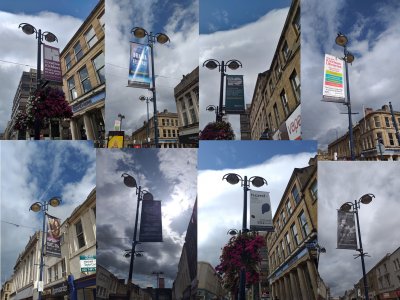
(373, 32)
(179, 21)
(18, 51)
(170, 178)
(248, 33)
(37, 171)
(340, 182)
(220, 205)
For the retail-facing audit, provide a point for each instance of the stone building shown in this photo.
(375, 126)
(293, 246)
(210, 283)
(187, 105)
(6, 290)
(275, 107)
(168, 132)
(82, 65)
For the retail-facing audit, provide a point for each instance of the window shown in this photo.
(90, 37)
(190, 100)
(283, 217)
(183, 104)
(169, 132)
(285, 50)
(295, 235)
(94, 211)
(173, 133)
(278, 121)
(391, 139)
(283, 248)
(193, 115)
(295, 194)
(288, 207)
(377, 122)
(296, 20)
(79, 235)
(72, 89)
(83, 74)
(49, 275)
(285, 103)
(101, 21)
(387, 122)
(185, 119)
(295, 82)
(314, 190)
(271, 87)
(78, 51)
(98, 63)
(163, 122)
(164, 133)
(68, 62)
(304, 224)
(55, 272)
(63, 269)
(288, 246)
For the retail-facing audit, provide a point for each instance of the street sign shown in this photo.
(88, 263)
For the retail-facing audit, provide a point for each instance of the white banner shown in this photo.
(333, 78)
(117, 125)
(260, 211)
(293, 124)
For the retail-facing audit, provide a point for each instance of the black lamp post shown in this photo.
(256, 181)
(147, 99)
(211, 64)
(49, 37)
(43, 207)
(353, 208)
(130, 181)
(120, 116)
(161, 38)
(342, 41)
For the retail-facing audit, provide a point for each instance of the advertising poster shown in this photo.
(346, 231)
(260, 211)
(333, 89)
(234, 95)
(150, 225)
(115, 139)
(53, 247)
(293, 124)
(139, 74)
(51, 64)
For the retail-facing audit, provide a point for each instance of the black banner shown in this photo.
(150, 225)
(346, 231)
(53, 247)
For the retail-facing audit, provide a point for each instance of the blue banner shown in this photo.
(139, 74)
(234, 96)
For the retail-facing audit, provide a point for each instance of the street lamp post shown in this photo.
(353, 208)
(49, 37)
(256, 181)
(120, 116)
(213, 108)
(130, 181)
(211, 64)
(147, 99)
(342, 41)
(37, 207)
(161, 38)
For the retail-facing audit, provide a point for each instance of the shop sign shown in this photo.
(293, 124)
(86, 103)
(59, 289)
(88, 263)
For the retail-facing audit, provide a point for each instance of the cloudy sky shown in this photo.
(374, 36)
(38, 171)
(221, 204)
(378, 220)
(18, 51)
(170, 178)
(177, 19)
(248, 33)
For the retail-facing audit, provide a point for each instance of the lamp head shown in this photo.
(234, 64)
(129, 181)
(139, 32)
(142, 98)
(341, 39)
(127, 254)
(346, 206)
(258, 181)
(367, 198)
(27, 28)
(322, 250)
(232, 232)
(349, 57)
(211, 108)
(162, 38)
(36, 207)
(211, 64)
(55, 201)
(147, 196)
(232, 178)
(50, 37)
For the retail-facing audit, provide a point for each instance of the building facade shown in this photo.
(210, 283)
(82, 65)
(292, 246)
(187, 105)
(6, 290)
(275, 107)
(374, 137)
(168, 132)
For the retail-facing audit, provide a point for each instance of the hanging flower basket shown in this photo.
(220, 130)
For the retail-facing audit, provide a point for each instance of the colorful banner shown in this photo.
(150, 224)
(234, 95)
(53, 247)
(115, 139)
(293, 124)
(139, 74)
(346, 231)
(51, 64)
(333, 78)
(260, 211)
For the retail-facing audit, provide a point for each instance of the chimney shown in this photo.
(368, 110)
(385, 107)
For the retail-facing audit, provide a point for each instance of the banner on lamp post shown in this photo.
(53, 245)
(260, 211)
(51, 64)
(117, 125)
(150, 225)
(293, 124)
(346, 231)
(139, 74)
(333, 88)
(234, 94)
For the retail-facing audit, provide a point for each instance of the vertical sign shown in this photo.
(51, 64)
(333, 88)
(346, 231)
(260, 211)
(293, 124)
(117, 125)
(234, 96)
(150, 225)
(139, 75)
(53, 247)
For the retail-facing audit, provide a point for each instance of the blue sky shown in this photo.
(218, 155)
(372, 31)
(170, 177)
(227, 15)
(37, 171)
